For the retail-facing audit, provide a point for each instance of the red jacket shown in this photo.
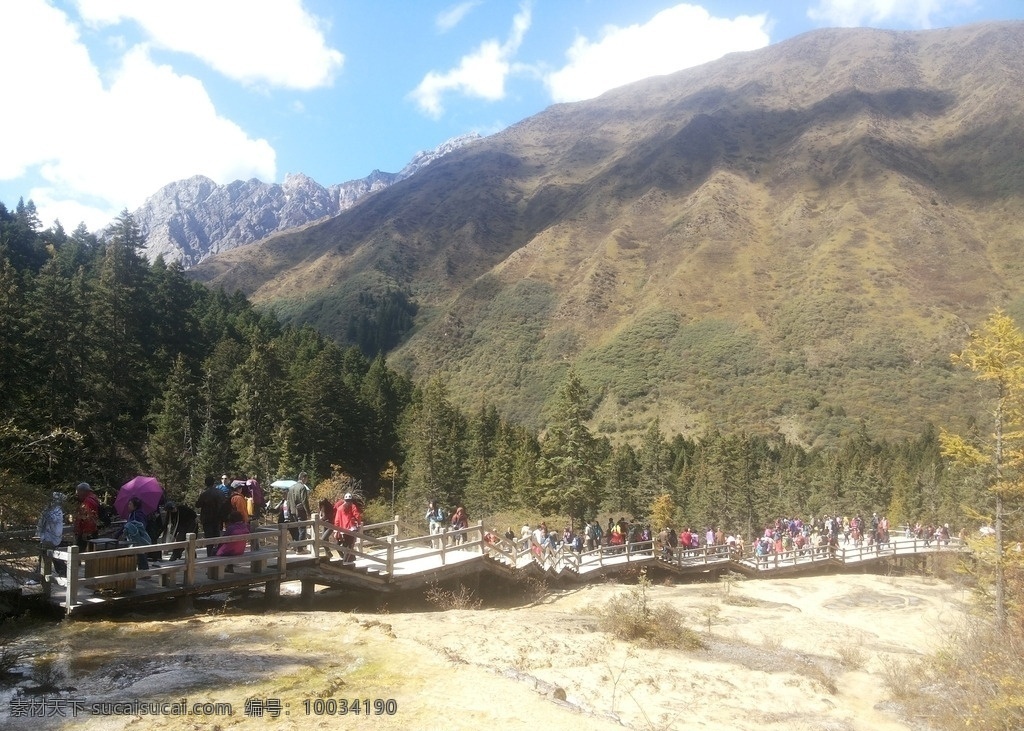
(87, 515)
(347, 515)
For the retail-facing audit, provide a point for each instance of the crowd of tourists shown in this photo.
(230, 507)
(782, 535)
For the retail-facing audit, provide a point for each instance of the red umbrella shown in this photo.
(146, 489)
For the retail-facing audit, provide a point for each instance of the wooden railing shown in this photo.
(270, 548)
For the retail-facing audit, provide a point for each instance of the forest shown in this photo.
(112, 366)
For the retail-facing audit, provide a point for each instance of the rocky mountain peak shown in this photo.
(189, 220)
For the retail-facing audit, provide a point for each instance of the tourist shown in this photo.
(349, 517)
(50, 529)
(297, 500)
(436, 521)
(327, 512)
(254, 491)
(179, 521)
(134, 531)
(87, 515)
(539, 540)
(460, 521)
(238, 500)
(212, 512)
(236, 526)
(525, 535)
(593, 534)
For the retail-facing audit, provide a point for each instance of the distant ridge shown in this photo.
(190, 220)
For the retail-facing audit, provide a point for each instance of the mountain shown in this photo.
(790, 240)
(189, 220)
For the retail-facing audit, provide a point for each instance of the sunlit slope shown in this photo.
(791, 240)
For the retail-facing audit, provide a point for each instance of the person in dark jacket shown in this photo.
(211, 505)
(179, 521)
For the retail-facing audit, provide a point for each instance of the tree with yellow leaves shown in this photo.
(995, 355)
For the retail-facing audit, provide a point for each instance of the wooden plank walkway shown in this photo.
(384, 563)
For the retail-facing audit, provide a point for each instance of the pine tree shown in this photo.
(655, 475)
(172, 444)
(484, 488)
(434, 438)
(330, 413)
(118, 385)
(14, 373)
(571, 457)
(260, 406)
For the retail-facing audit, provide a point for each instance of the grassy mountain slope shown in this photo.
(792, 239)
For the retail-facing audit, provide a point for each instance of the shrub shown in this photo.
(633, 617)
(461, 598)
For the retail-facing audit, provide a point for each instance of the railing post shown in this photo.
(71, 598)
(190, 560)
(394, 529)
(443, 539)
(45, 571)
(316, 536)
(282, 551)
(391, 556)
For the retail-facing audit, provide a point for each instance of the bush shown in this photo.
(633, 617)
(461, 598)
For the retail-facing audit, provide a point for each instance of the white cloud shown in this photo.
(674, 39)
(481, 74)
(104, 147)
(252, 41)
(849, 13)
(451, 17)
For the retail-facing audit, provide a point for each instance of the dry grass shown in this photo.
(975, 682)
(633, 617)
(461, 598)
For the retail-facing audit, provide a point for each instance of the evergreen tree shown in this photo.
(621, 479)
(260, 406)
(384, 396)
(14, 372)
(434, 439)
(118, 387)
(330, 413)
(570, 462)
(59, 344)
(172, 444)
(485, 488)
(655, 474)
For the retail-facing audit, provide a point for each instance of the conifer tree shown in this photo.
(571, 458)
(260, 406)
(655, 474)
(995, 355)
(434, 439)
(172, 443)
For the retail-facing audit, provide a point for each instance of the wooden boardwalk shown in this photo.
(385, 562)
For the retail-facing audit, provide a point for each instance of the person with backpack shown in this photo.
(212, 511)
(297, 500)
(436, 522)
(259, 502)
(179, 521)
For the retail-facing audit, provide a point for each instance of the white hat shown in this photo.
(348, 496)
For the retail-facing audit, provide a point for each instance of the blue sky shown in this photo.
(108, 100)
